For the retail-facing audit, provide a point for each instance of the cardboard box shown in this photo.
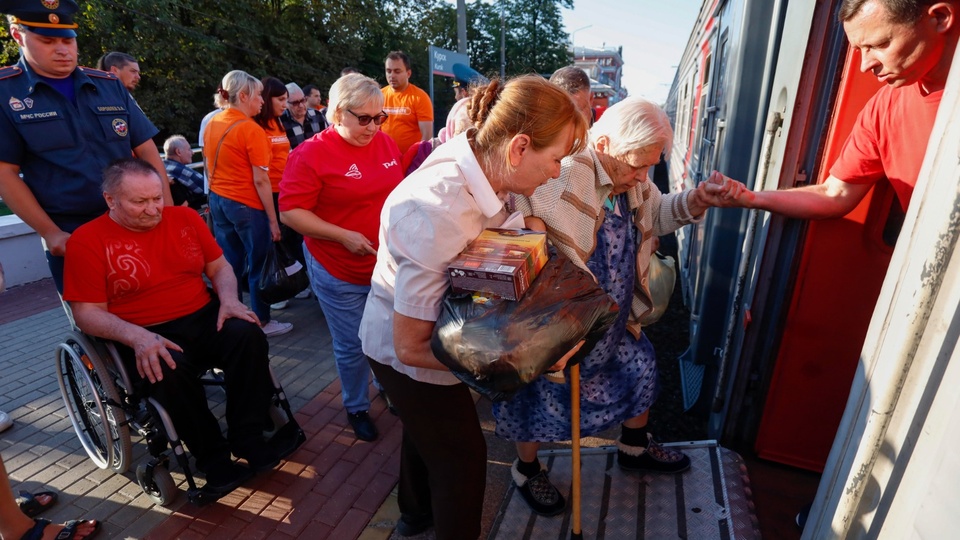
(501, 262)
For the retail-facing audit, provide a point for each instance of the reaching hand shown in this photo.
(723, 191)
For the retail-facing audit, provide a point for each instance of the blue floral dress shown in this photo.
(618, 379)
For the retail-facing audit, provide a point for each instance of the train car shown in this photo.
(827, 345)
(778, 318)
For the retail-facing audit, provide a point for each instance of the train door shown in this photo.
(838, 278)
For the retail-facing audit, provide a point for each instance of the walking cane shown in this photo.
(575, 533)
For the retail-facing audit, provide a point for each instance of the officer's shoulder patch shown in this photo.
(98, 73)
(10, 71)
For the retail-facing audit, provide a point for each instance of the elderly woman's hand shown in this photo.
(357, 243)
(725, 192)
(562, 363)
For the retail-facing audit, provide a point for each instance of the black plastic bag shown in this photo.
(282, 276)
(499, 346)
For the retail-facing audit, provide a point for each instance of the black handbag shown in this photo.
(281, 277)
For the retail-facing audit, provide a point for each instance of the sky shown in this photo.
(653, 34)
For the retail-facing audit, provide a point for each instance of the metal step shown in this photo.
(709, 501)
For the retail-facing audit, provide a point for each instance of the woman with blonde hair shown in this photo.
(332, 192)
(521, 131)
(237, 157)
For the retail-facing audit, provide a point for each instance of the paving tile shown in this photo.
(376, 491)
(336, 506)
(351, 524)
(303, 513)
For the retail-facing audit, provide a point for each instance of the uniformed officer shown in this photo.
(60, 126)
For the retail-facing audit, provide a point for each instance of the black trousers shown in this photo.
(240, 349)
(443, 456)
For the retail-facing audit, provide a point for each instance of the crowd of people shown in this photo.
(375, 207)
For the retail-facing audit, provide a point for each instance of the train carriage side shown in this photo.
(719, 94)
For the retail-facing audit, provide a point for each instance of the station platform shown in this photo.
(334, 486)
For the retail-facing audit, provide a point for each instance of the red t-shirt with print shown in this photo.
(344, 185)
(146, 277)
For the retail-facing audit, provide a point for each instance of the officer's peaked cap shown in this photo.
(51, 18)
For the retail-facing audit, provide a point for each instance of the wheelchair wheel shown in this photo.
(157, 483)
(93, 403)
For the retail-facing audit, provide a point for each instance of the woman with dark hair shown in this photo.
(275, 95)
(520, 131)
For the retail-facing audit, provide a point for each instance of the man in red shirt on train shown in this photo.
(908, 45)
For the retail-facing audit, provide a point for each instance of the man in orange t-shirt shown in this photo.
(409, 108)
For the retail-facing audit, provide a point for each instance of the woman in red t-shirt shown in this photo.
(332, 192)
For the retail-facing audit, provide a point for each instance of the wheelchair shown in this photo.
(104, 406)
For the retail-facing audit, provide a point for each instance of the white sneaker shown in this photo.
(5, 421)
(280, 305)
(276, 328)
(303, 294)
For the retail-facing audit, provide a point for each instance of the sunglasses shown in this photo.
(297, 102)
(364, 119)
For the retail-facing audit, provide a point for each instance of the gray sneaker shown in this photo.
(276, 328)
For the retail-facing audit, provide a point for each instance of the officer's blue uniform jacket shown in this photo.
(62, 148)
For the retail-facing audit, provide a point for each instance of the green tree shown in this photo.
(186, 46)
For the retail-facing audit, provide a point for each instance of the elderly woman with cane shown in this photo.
(604, 214)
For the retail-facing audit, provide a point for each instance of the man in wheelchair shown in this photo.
(135, 276)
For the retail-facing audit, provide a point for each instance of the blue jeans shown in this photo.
(342, 304)
(243, 234)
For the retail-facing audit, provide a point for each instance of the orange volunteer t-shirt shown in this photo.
(245, 147)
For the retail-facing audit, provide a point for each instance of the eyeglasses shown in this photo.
(365, 119)
(297, 102)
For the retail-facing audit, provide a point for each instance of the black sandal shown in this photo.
(69, 531)
(31, 506)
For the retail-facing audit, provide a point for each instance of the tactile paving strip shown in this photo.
(709, 501)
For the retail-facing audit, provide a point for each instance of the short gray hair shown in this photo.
(233, 84)
(352, 91)
(632, 124)
(114, 174)
(293, 88)
(173, 143)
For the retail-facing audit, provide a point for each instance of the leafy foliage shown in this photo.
(184, 47)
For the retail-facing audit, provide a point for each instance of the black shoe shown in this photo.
(259, 455)
(224, 477)
(362, 425)
(390, 407)
(652, 458)
(412, 526)
(540, 494)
